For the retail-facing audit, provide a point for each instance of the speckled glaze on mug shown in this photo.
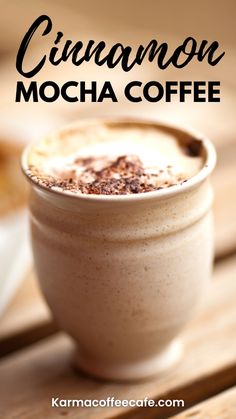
(123, 274)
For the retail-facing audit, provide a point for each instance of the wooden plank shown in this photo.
(222, 406)
(30, 378)
(27, 319)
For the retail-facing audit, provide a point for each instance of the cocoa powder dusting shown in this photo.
(123, 176)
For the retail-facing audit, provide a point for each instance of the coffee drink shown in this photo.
(122, 238)
(120, 159)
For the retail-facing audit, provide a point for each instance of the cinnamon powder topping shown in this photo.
(101, 176)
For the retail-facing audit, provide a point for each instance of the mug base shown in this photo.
(130, 371)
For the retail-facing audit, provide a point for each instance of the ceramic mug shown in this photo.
(123, 274)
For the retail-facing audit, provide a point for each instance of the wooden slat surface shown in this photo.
(222, 406)
(27, 318)
(30, 378)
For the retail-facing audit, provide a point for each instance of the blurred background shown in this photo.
(132, 23)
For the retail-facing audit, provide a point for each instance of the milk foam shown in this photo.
(159, 150)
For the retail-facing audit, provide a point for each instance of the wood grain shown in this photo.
(30, 378)
(222, 406)
(27, 318)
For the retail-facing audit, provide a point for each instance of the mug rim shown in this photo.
(177, 189)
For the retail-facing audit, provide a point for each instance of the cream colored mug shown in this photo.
(123, 274)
